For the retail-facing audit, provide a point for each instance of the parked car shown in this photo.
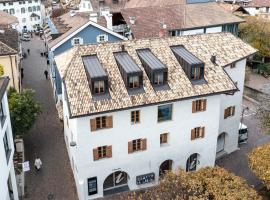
(25, 37)
(243, 133)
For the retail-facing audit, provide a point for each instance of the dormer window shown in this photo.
(133, 82)
(99, 87)
(97, 77)
(155, 69)
(192, 66)
(196, 73)
(132, 75)
(159, 78)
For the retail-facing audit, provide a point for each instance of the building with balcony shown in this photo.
(134, 109)
(8, 186)
(27, 12)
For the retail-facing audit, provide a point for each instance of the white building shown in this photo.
(8, 186)
(258, 7)
(134, 109)
(27, 12)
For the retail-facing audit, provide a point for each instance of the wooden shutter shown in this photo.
(193, 134)
(109, 151)
(193, 106)
(130, 148)
(109, 122)
(143, 144)
(93, 124)
(202, 129)
(225, 113)
(204, 104)
(95, 154)
(233, 110)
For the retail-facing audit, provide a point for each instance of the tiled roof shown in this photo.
(67, 24)
(6, 50)
(259, 3)
(10, 37)
(7, 19)
(151, 3)
(227, 48)
(182, 16)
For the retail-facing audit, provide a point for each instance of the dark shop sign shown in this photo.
(146, 178)
(92, 186)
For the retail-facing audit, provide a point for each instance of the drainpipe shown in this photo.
(10, 58)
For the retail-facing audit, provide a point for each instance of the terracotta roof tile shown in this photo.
(7, 19)
(6, 50)
(227, 47)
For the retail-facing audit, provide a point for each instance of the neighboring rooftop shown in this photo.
(6, 50)
(10, 37)
(68, 23)
(259, 3)
(7, 19)
(227, 48)
(175, 15)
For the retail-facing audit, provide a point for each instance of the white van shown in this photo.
(243, 133)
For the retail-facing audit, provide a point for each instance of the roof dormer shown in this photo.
(97, 77)
(156, 71)
(192, 66)
(130, 71)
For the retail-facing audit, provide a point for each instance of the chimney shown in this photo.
(132, 20)
(93, 17)
(108, 18)
(162, 31)
(122, 47)
(213, 58)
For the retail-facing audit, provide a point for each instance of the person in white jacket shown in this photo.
(38, 163)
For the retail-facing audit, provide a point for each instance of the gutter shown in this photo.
(10, 58)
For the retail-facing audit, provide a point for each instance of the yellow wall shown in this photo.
(9, 63)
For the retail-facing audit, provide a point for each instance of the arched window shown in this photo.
(116, 182)
(192, 162)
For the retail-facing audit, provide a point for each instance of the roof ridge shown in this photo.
(8, 48)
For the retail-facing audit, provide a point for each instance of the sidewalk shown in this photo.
(46, 137)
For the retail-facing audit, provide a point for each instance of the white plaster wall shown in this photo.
(193, 32)
(180, 146)
(214, 29)
(7, 169)
(253, 11)
(231, 124)
(17, 7)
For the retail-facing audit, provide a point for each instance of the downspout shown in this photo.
(10, 58)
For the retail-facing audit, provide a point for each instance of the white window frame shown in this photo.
(73, 43)
(99, 40)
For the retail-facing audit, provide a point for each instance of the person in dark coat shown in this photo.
(28, 50)
(46, 74)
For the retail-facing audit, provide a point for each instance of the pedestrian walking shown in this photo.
(28, 50)
(38, 163)
(46, 74)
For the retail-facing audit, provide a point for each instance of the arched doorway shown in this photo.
(221, 142)
(192, 162)
(164, 167)
(115, 183)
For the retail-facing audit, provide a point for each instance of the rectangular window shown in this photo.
(135, 116)
(29, 9)
(23, 10)
(229, 112)
(196, 73)
(198, 105)
(197, 132)
(158, 79)
(133, 82)
(5, 10)
(6, 146)
(11, 11)
(102, 38)
(99, 87)
(102, 152)
(137, 145)
(101, 123)
(76, 41)
(163, 138)
(164, 113)
(10, 3)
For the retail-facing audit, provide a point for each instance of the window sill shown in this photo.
(135, 123)
(229, 117)
(167, 120)
(164, 145)
(102, 159)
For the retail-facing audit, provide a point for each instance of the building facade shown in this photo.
(28, 13)
(8, 186)
(9, 64)
(135, 109)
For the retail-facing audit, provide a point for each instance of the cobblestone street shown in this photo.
(237, 162)
(46, 137)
